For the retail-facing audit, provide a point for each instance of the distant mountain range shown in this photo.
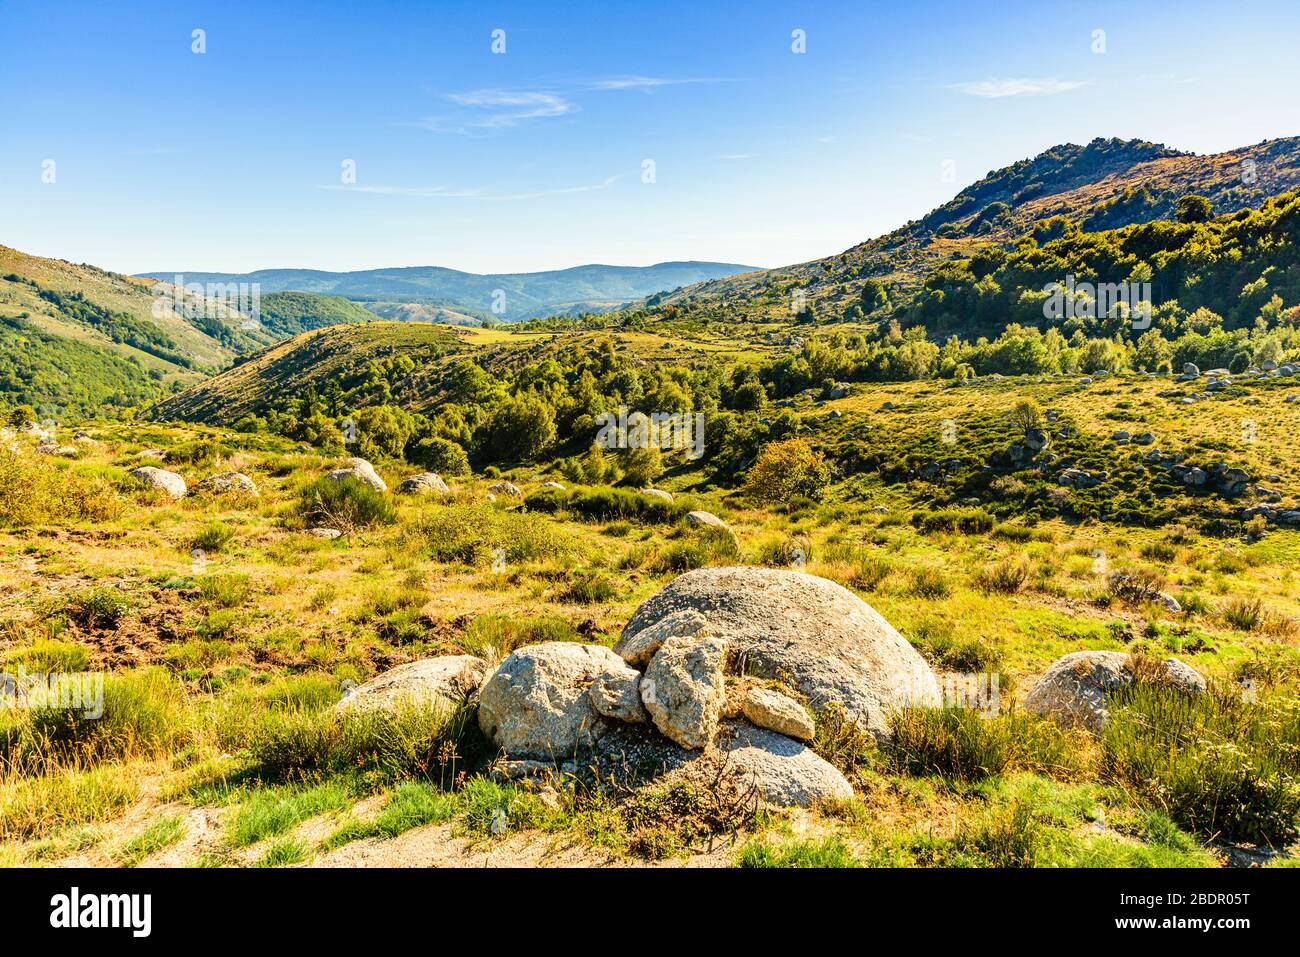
(464, 296)
(75, 336)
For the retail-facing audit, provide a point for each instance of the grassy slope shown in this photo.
(274, 605)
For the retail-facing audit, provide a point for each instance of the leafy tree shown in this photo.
(439, 455)
(1193, 209)
(785, 470)
(521, 429)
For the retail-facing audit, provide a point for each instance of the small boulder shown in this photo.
(423, 483)
(617, 694)
(684, 691)
(429, 682)
(777, 712)
(362, 471)
(169, 482)
(326, 533)
(1074, 689)
(224, 483)
(639, 647)
(505, 488)
(657, 493)
(555, 485)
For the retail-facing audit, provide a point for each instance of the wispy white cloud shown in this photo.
(647, 82)
(1023, 86)
(735, 156)
(443, 192)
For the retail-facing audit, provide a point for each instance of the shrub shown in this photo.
(347, 505)
(439, 455)
(1135, 585)
(787, 470)
(100, 607)
(1214, 763)
(213, 537)
(968, 521)
(929, 583)
(1004, 578)
(961, 743)
(588, 588)
(477, 534)
(1243, 613)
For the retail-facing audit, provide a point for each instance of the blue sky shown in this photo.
(533, 159)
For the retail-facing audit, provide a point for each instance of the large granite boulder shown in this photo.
(820, 638)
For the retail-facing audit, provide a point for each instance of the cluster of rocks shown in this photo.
(728, 664)
(1219, 380)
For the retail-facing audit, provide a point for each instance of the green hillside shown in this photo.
(285, 314)
(1105, 184)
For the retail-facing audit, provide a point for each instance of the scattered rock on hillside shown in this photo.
(226, 482)
(777, 712)
(1074, 689)
(362, 471)
(327, 533)
(657, 493)
(702, 519)
(684, 690)
(824, 641)
(450, 680)
(555, 485)
(169, 482)
(423, 483)
(537, 705)
(505, 488)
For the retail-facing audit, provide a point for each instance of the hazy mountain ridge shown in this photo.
(507, 296)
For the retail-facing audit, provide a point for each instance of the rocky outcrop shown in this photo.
(361, 471)
(820, 638)
(1074, 690)
(161, 479)
(449, 680)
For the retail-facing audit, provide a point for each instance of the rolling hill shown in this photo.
(514, 295)
(1105, 184)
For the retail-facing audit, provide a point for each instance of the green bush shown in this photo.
(961, 743)
(347, 505)
(1216, 764)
